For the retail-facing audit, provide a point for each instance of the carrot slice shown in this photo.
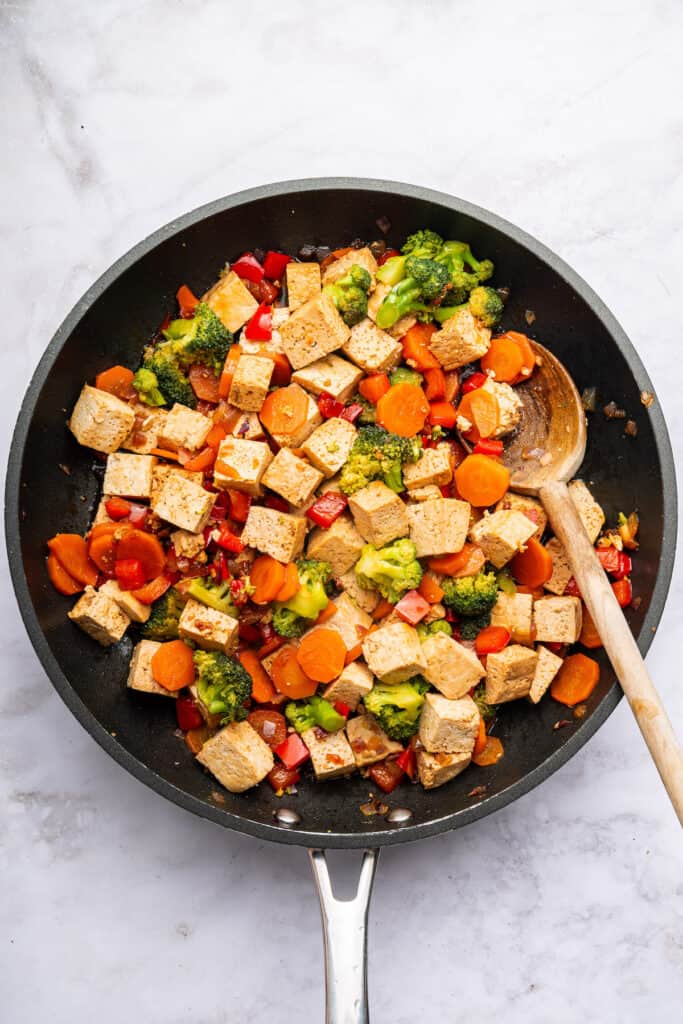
(217, 434)
(353, 653)
(436, 384)
(451, 565)
(60, 579)
(534, 566)
(267, 577)
(152, 591)
(146, 548)
(576, 680)
(205, 383)
(202, 462)
(322, 654)
(231, 361)
(589, 636)
(262, 689)
(117, 380)
(403, 410)
(481, 480)
(430, 589)
(327, 613)
(374, 386)
(282, 371)
(492, 752)
(481, 408)
(291, 584)
(480, 741)
(284, 410)
(71, 551)
(165, 453)
(528, 355)
(416, 351)
(173, 665)
(187, 300)
(504, 359)
(382, 609)
(289, 677)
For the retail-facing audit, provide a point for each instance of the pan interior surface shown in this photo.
(53, 484)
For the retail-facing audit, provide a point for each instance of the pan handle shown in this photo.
(345, 933)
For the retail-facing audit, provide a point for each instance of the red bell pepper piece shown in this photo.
(188, 714)
(118, 508)
(412, 607)
(623, 591)
(616, 563)
(281, 778)
(485, 446)
(129, 574)
(250, 633)
(491, 640)
(248, 268)
(553, 645)
(328, 406)
(387, 255)
(351, 412)
(187, 301)
(293, 752)
(386, 775)
(442, 414)
(238, 591)
(274, 264)
(260, 327)
(240, 504)
(474, 381)
(342, 709)
(226, 539)
(572, 588)
(138, 515)
(276, 502)
(327, 509)
(408, 762)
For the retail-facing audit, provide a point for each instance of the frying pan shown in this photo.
(51, 486)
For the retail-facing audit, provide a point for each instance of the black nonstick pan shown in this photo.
(51, 486)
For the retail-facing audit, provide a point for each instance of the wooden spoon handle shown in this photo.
(618, 640)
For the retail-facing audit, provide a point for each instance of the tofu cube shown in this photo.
(293, 478)
(341, 545)
(367, 600)
(435, 770)
(547, 667)
(332, 374)
(502, 534)
(331, 754)
(207, 627)
(429, 493)
(237, 757)
(590, 513)
(438, 526)
(186, 544)
(350, 621)
(231, 301)
(100, 420)
(531, 508)
(358, 258)
(448, 726)
(129, 605)
(303, 283)
(562, 570)
(369, 742)
(371, 348)
(129, 476)
(248, 428)
(185, 428)
(379, 514)
(351, 686)
(461, 340)
(557, 619)
(313, 331)
(274, 533)
(250, 382)
(162, 471)
(394, 652)
(100, 617)
(329, 445)
(140, 672)
(509, 407)
(183, 503)
(509, 674)
(240, 465)
(148, 426)
(452, 668)
(514, 612)
(313, 419)
(433, 467)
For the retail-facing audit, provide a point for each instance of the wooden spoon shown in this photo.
(553, 428)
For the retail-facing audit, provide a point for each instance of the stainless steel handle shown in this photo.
(345, 932)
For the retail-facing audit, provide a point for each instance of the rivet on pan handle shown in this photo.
(345, 932)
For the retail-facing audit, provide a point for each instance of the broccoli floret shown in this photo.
(291, 618)
(465, 271)
(215, 595)
(162, 623)
(472, 626)
(471, 595)
(223, 685)
(392, 569)
(423, 243)
(316, 710)
(350, 294)
(425, 281)
(486, 710)
(427, 629)
(393, 271)
(203, 339)
(486, 304)
(378, 454)
(147, 386)
(171, 381)
(404, 375)
(432, 277)
(369, 413)
(397, 706)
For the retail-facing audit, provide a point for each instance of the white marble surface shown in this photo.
(118, 115)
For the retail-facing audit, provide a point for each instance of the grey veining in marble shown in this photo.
(118, 115)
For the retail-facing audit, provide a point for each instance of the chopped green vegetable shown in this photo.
(223, 685)
(397, 706)
(392, 569)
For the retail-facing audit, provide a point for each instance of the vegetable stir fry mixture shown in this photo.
(306, 527)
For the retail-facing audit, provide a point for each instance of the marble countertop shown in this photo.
(118, 116)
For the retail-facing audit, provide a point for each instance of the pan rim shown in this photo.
(261, 830)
